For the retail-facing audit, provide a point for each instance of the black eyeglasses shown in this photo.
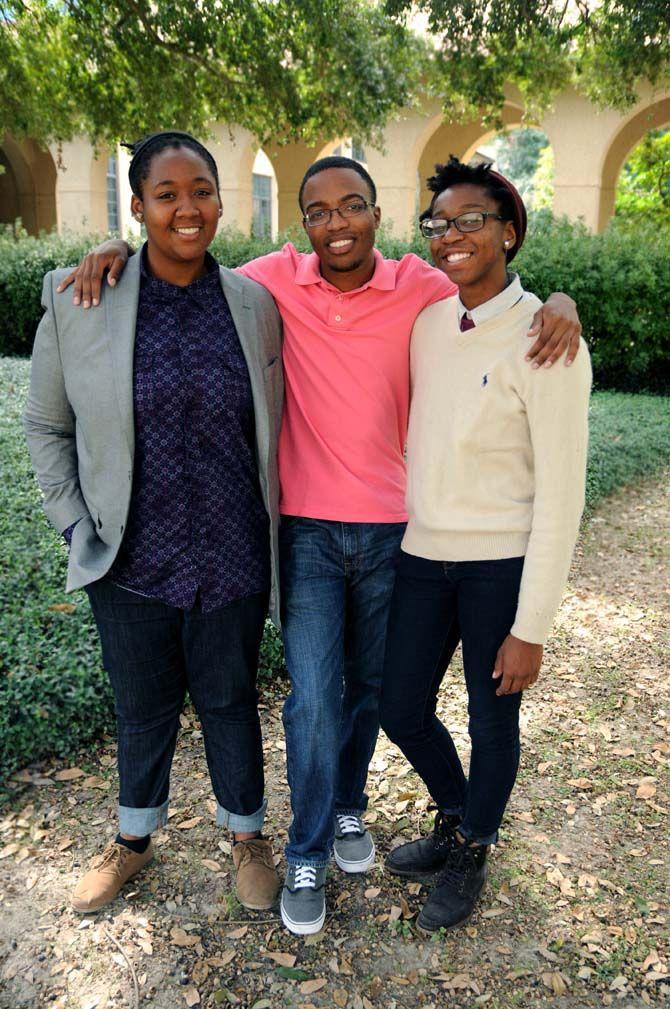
(313, 218)
(472, 221)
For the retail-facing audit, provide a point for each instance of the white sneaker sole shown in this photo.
(302, 927)
(359, 866)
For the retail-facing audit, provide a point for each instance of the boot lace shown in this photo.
(349, 824)
(444, 828)
(257, 850)
(460, 865)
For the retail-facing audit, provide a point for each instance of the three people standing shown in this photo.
(348, 316)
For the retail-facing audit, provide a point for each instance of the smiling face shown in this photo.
(181, 209)
(344, 246)
(476, 261)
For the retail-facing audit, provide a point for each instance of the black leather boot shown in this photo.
(425, 858)
(453, 899)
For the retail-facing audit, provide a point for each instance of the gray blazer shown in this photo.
(79, 415)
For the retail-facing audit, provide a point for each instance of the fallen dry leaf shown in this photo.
(191, 996)
(187, 824)
(69, 774)
(309, 987)
(181, 938)
(238, 933)
(284, 959)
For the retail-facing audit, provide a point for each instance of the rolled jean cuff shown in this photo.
(239, 823)
(470, 835)
(141, 822)
(315, 863)
(350, 811)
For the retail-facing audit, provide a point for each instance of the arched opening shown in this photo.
(290, 163)
(27, 185)
(462, 139)
(525, 156)
(628, 136)
(643, 186)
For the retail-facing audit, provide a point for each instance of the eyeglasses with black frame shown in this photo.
(474, 220)
(313, 218)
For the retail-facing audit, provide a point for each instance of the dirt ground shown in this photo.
(576, 910)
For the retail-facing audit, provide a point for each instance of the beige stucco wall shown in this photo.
(66, 186)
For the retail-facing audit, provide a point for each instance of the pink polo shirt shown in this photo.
(346, 369)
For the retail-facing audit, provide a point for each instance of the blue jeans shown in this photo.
(435, 605)
(153, 653)
(336, 579)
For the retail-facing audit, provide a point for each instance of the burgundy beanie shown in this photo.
(519, 217)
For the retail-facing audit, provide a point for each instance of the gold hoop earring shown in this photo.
(139, 218)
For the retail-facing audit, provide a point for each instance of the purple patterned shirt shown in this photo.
(197, 527)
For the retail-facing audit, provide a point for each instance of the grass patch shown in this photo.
(54, 694)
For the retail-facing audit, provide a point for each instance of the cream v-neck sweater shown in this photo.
(496, 453)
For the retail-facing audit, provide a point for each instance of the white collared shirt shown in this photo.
(494, 306)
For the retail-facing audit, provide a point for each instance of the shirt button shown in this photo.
(340, 297)
(338, 318)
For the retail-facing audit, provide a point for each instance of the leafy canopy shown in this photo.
(310, 69)
(604, 47)
(281, 68)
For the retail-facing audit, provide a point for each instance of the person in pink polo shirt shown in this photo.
(348, 314)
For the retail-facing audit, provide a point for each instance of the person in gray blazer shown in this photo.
(153, 432)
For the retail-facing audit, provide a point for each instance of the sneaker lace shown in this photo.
(349, 824)
(305, 875)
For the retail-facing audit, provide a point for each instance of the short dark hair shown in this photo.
(456, 173)
(144, 151)
(335, 161)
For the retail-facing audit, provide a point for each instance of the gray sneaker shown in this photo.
(303, 903)
(353, 848)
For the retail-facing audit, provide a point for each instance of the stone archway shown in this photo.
(27, 186)
(628, 136)
(461, 139)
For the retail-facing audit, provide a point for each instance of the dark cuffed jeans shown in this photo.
(435, 605)
(153, 654)
(336, 581)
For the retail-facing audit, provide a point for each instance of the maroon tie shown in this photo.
(466, 323)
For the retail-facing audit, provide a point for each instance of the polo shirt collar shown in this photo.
(383, 279)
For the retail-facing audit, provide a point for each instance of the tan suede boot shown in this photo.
(257, 882)
(108, 873)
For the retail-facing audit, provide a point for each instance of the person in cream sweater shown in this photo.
(496, 458)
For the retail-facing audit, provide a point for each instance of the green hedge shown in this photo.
(54, 695)
(620, 280)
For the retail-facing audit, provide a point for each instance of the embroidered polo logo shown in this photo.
(485, 380)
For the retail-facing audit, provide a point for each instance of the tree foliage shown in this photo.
(117, 68)
(604, 47)
(644, 184)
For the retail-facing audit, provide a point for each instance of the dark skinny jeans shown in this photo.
(435, 605)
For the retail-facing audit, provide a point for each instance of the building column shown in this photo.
(234, 149)
(81, 188)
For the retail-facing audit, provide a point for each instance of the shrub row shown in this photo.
(54, 695)
(620, 280)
